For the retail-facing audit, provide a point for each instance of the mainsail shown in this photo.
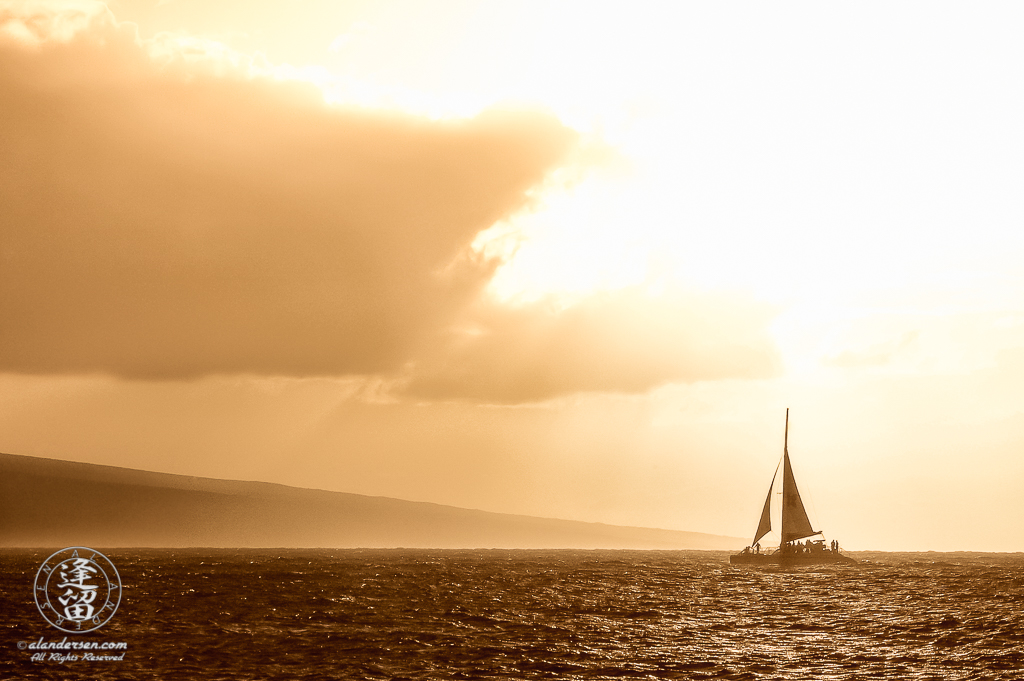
(795, 524)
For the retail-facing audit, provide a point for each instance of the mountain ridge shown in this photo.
(50, 502)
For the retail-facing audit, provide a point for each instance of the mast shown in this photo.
(786, 477)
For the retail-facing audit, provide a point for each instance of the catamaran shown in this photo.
(796, 526)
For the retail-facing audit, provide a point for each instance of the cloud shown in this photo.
(171, 211)
(168, 220)
(619, 341)
(35, 22)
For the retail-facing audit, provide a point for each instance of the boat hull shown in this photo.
(791, 560)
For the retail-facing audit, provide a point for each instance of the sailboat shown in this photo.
(796, 526)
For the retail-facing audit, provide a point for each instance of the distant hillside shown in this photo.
(47, 502)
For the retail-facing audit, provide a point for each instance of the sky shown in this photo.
(565, 259)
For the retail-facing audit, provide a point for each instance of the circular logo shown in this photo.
(77, 589)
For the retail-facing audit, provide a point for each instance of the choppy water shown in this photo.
(411, 614)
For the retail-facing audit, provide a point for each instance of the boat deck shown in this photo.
(791, 559)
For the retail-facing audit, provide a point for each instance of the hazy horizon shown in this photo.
(565, 260)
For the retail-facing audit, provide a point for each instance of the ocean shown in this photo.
(528, 614)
